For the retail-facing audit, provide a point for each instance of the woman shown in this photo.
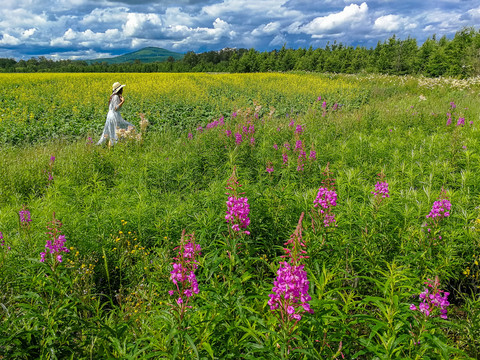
(114, 119)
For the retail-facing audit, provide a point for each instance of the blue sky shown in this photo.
(84, 29)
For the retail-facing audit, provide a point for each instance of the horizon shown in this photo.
(88, 29)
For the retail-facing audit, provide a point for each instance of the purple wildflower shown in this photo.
(302, 157)
(228, 133)
(183, 272)
(324, 105)
(238, 138)
(461, 121)
(381, 189)
(325, 201)
(55, 245)
(24, 216)
(190, 135)
(298, 145)
(298, 129)
(440, 209)
(290, 288)
(431, 298)
(287, 146)
(238, 210)
(452, 104)
(275, 146)
(285, 158)
(2, 243)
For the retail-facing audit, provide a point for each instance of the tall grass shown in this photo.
(124, 210)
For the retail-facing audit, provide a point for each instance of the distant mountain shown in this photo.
(145, 55)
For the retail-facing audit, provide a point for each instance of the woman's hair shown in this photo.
(119, 92)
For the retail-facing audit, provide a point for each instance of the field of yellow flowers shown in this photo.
(257, 216)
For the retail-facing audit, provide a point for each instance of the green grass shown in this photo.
(124, 209)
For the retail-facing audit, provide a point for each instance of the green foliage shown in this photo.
(124, 208)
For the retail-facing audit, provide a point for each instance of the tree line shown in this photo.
(457, 57)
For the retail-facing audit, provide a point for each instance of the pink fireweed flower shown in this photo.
(238, 138)
(190, 135)
(200, 128)
(269, 169)
(292, 123)
(234, 114)
(55, 245)
(252, 141)
(298, 145)
(461, 121)
(298, 129)
(275, 146)
(285, 158)
(381, 190)
(221, 121)
(313, 155)
(289, 298)
(452, 104)
(212, 125)
(449, 121)
(2, 243)
(238, 210)
(24, 216)
(324, 105)
(325, 201)
(302, 157)
(287, 146)
(432, 298)
(440, 209)
(183, 272)
(335, 107)
(290, 291)
(319, 98)
(228, 133)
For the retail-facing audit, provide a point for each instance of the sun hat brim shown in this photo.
(117, 89)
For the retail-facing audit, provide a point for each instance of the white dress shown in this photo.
(114, 121)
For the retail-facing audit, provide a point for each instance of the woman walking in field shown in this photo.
(114, 119)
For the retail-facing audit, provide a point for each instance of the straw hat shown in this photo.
(116, 87)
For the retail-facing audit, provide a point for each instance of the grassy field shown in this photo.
(235, 177)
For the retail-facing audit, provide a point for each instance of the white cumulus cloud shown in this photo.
(141, 25)
(350, 17)
(268, 29)
(390, 23)
(27, 33)
(8, 39)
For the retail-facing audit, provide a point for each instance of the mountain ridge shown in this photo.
(145, 55)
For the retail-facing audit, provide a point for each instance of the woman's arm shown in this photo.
(122, 100)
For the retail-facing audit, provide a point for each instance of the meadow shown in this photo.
(258, 216)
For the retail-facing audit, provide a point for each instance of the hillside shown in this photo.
(145, 55)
